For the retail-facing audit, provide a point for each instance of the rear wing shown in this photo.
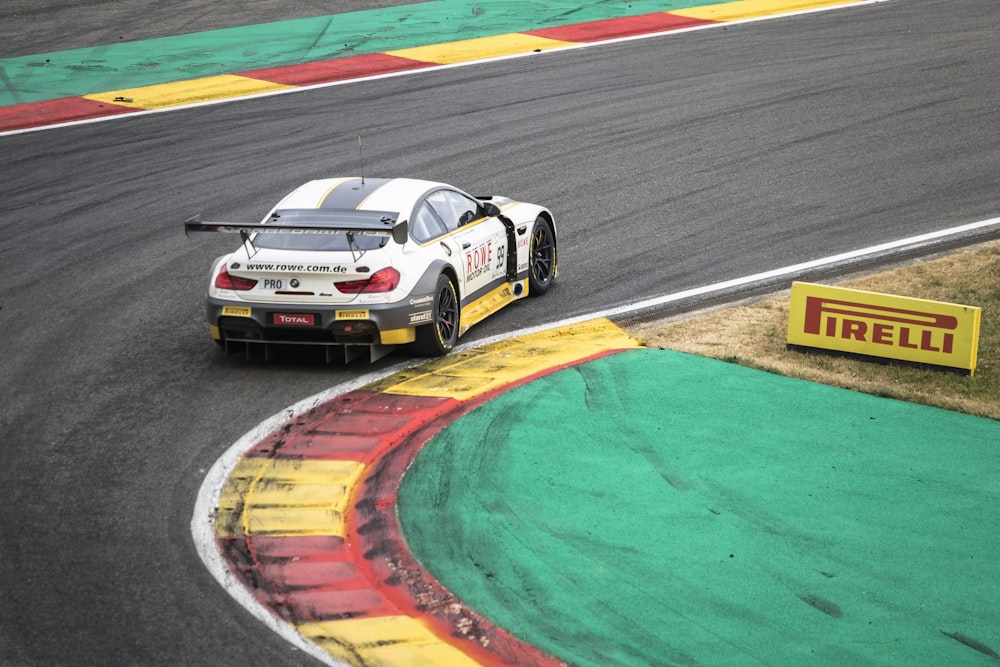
(311, 221)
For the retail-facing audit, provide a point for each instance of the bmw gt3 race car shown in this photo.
(368, 264)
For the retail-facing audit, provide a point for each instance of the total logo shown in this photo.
(294, 319)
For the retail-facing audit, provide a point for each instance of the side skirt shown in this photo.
(482, 307)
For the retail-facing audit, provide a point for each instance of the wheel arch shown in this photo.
(428, 280)
(547, 214)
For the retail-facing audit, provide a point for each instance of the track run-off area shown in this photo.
(569, 497)
(104, 82)
(754, 518)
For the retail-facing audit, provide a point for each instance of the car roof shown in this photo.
(368, 194)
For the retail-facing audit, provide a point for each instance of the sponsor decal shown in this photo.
(417, 318)
(422, 300)
(478, 260)
(488, 258)
(883, 325)
(296, 268)
(294, 319)
(236, 311)
(351, 314)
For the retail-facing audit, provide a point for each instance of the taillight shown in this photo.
(383, 280)
(226, 281)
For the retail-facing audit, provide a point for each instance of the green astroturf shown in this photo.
(657, 508)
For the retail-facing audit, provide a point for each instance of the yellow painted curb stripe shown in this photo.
(479, 48)
(469, 374)
(745, 9)
(400, 641)
(174, 94)
(281, 497)
(290, 521)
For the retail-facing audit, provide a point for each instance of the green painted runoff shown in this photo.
(657, 508)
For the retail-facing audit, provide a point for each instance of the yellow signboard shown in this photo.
(236, 311)
(883, 325)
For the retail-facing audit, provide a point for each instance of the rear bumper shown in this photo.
(315, 324)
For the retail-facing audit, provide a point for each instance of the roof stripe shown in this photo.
(351, 194)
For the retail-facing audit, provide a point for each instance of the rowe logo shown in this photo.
(883, 325)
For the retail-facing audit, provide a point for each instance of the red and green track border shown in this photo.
(277, 80)
(306, 519)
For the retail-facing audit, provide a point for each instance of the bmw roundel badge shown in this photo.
(294, 282)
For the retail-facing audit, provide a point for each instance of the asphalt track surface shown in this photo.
(767, 144)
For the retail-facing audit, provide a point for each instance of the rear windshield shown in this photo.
(349, 230)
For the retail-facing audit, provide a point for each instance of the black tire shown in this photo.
(440, 336)
(541, 257)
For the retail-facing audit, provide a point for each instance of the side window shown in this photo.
(454, 208)
(426, 224)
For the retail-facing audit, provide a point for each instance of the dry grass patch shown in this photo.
(754, 335)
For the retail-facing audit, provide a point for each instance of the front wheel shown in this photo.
(541, 257)
(440, 336)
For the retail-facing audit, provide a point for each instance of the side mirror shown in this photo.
(490, 209)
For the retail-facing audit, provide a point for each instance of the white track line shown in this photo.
(787, 271)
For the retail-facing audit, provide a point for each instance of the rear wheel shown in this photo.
(541, 257)
(439, 337)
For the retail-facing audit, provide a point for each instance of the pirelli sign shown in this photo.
(882, 325)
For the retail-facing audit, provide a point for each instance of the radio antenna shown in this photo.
(361, 156)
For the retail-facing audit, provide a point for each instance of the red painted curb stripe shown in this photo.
(357, 426)
(53, 112)
(341, 69)
(628, 26)
(303, 579)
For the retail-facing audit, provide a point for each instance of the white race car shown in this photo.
(367, 264)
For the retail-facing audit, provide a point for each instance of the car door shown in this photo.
(481, 240)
